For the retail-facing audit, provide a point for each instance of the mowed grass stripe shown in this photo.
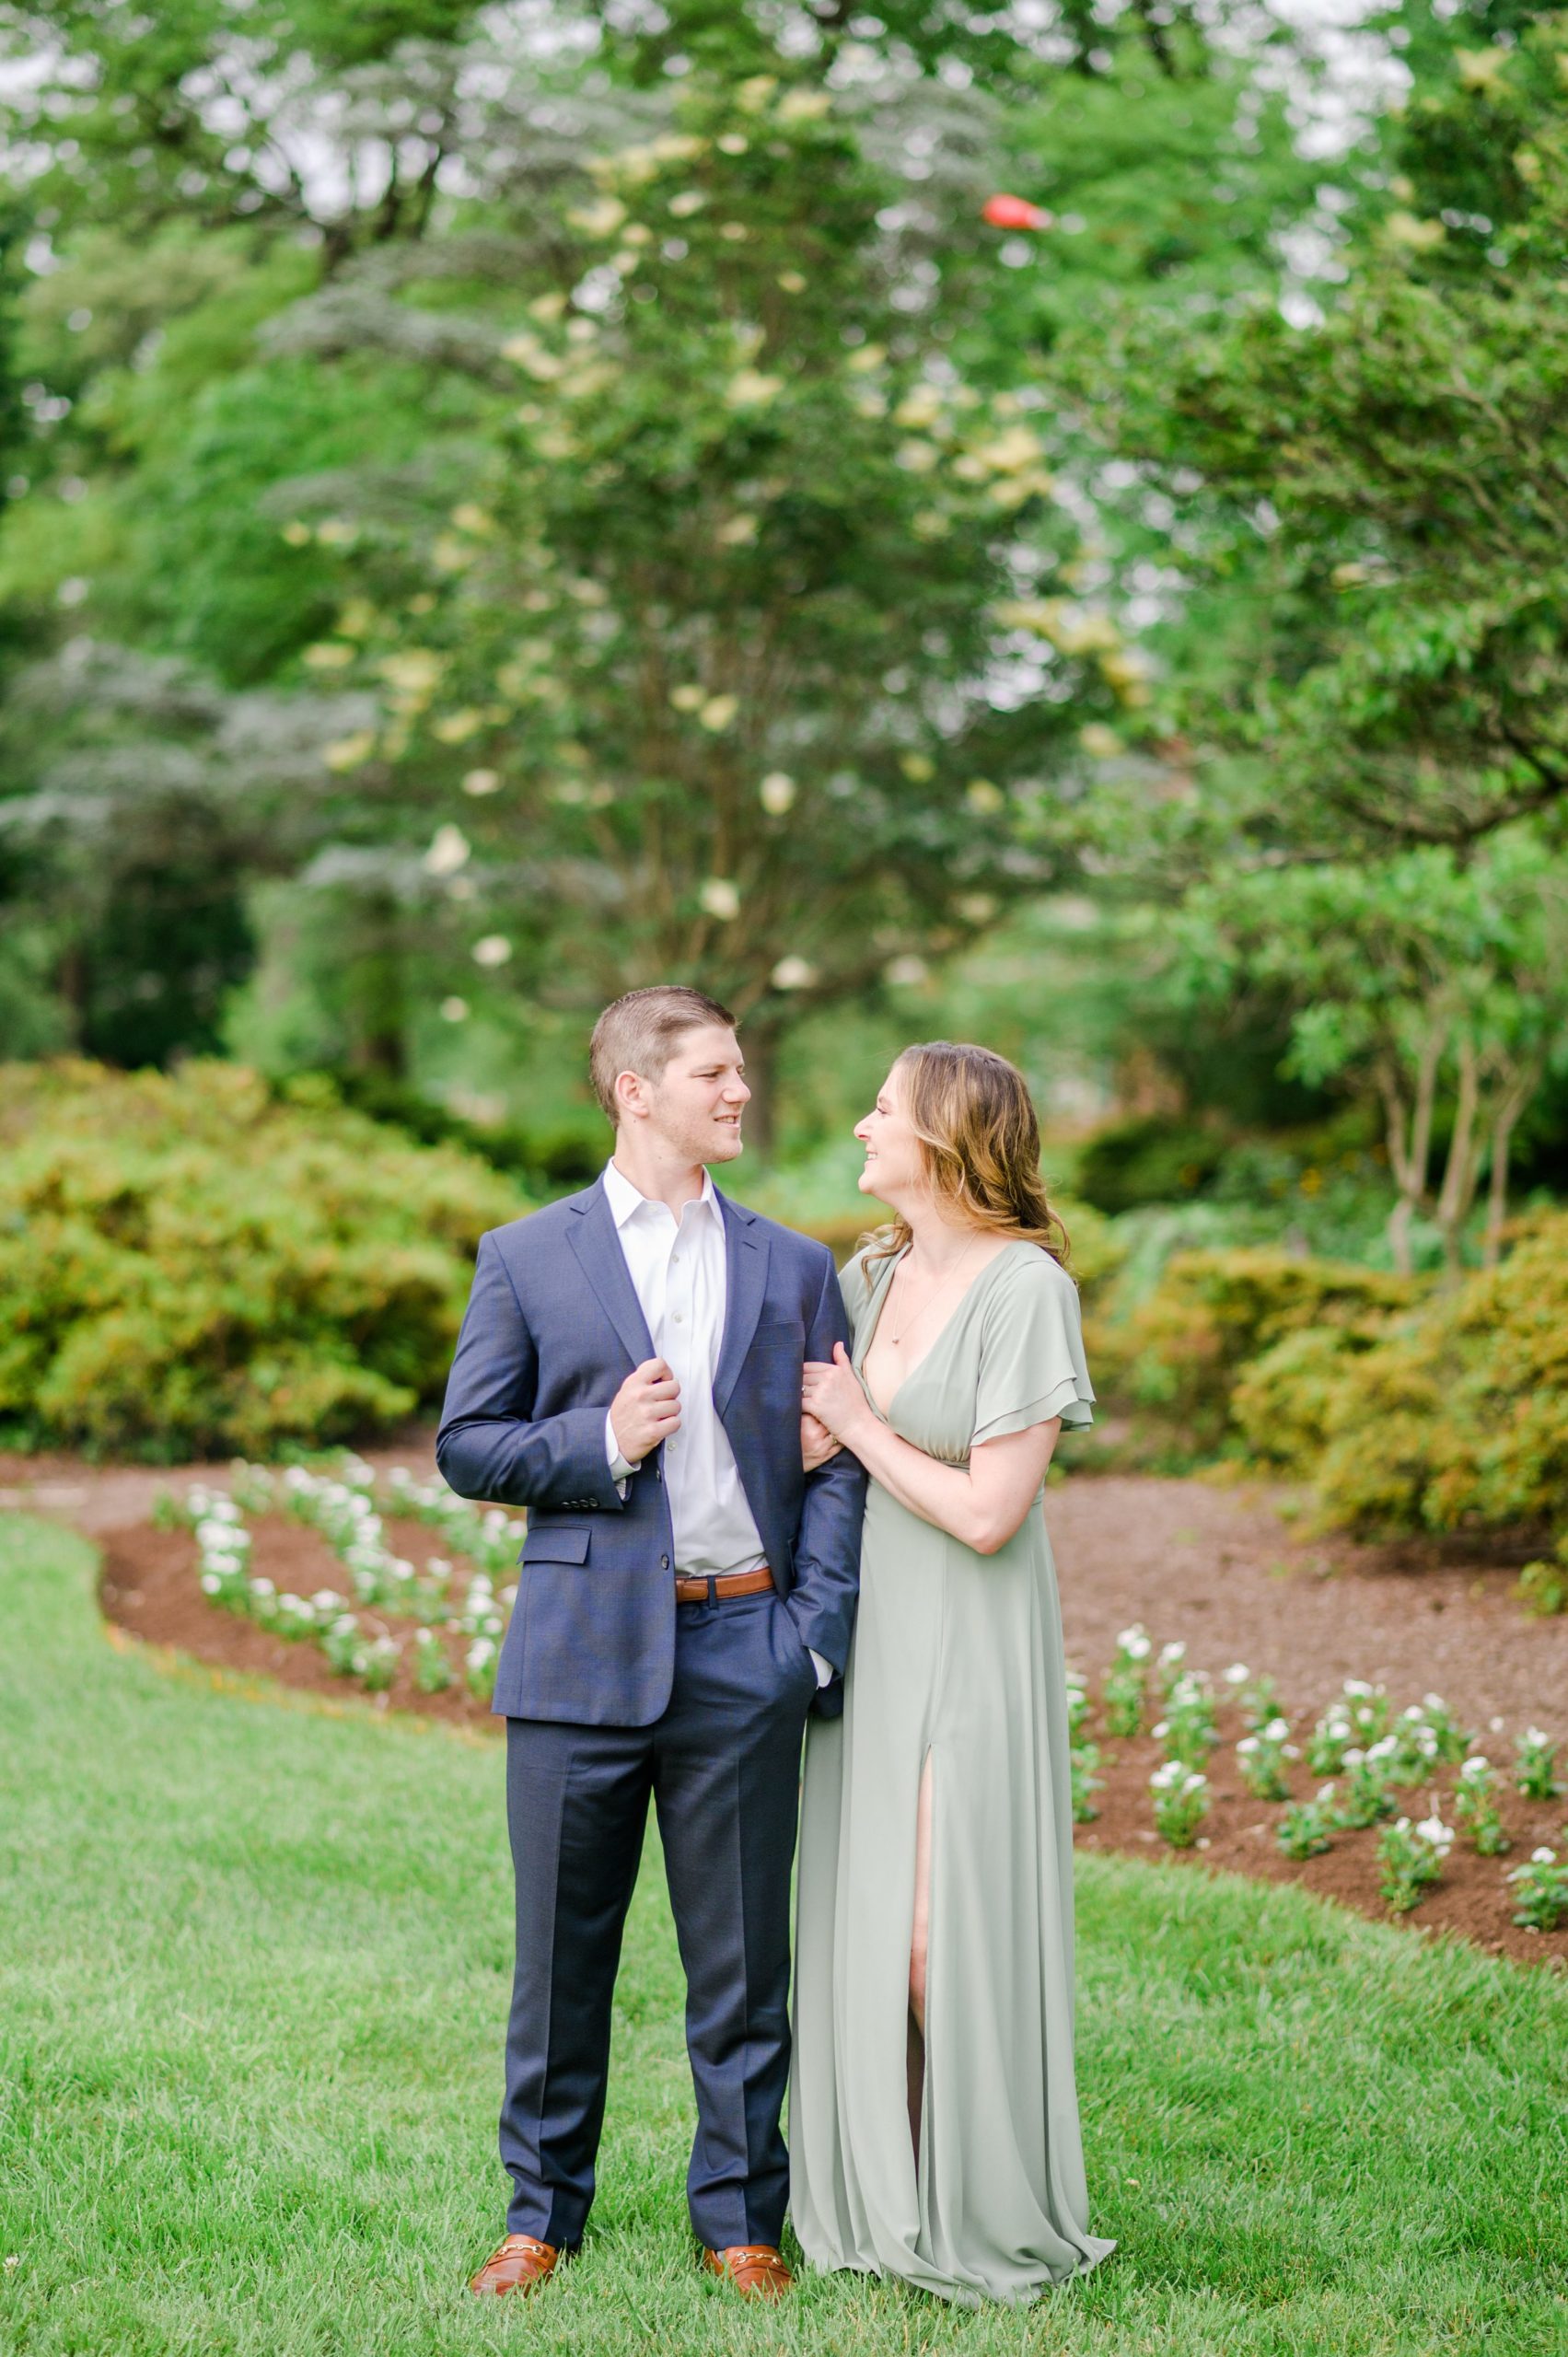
(253, 1974)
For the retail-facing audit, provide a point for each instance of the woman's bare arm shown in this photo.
(983, 1503)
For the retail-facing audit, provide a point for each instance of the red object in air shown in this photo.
(1015, 212)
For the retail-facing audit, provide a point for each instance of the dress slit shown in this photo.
(917, 2046)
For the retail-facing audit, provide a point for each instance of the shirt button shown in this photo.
(680, 1318)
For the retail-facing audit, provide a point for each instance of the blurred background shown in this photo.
(1042, 524)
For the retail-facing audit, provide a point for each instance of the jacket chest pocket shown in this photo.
(565, 1546)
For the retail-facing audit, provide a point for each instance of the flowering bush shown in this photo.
(1535, 1767)
(1263, 1756)
(1358, 1717)
(187, 1265)
(1475, 1807)
(1303, 1828)
(343, 1508)
(1125, 1682)
(1083, 1759)
(1411, 1858)
(1181, 1803)
(1168, 1666)
(1541, 1888)
(1371, 1776)
(1188, 1729)
(1258, 1698)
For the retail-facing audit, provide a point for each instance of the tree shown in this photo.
(1372, 506)
(143, 798)
(1419, 971)
(749, 638)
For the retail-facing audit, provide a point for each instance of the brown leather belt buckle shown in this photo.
(722, 1586)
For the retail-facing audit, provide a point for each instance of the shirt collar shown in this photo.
(626, 1200)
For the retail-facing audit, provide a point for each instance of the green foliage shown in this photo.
(1147, 1159)
(1457, 1417)
(186, 1266)
(1179, 1353)
(1543, 1585)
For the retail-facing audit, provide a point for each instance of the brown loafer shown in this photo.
(520, 2265)
(756, 2270)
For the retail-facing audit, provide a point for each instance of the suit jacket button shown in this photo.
(664, 1562)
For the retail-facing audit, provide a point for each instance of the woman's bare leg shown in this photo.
(919, 1939)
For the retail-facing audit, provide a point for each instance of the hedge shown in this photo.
(188, 1265)
(1180, 1352)
(1456, 1417)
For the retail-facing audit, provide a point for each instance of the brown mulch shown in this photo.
(149, 1588)
(1219, 1567)
(1472, 1899)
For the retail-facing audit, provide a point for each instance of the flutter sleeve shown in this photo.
(1031, 1352)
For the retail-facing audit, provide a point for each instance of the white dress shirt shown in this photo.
(680, 1272)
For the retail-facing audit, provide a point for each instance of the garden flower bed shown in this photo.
(390, 1584)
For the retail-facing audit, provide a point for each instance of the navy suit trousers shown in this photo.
(722, 1765)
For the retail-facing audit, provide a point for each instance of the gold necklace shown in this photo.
(896, 1333)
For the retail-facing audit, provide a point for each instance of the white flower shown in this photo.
(1277, 1730)
(493, 950)
(449, 850)
(1357, 1685)
(718, 897)
(1433, 1829)
(1537, 1735)
(1354, 1758)
(793, 974)
(1543, 1857)
(1237, 1674)
(1249, 1744)
(777, 793)
(1476, 1765)
(1173, 1652)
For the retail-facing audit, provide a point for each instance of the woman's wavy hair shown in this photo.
(980, 1145)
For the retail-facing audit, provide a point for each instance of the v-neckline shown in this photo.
(906, 1379)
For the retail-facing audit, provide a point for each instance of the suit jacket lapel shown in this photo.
(596, 1243)
(746, 1263)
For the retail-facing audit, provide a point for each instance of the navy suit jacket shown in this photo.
(552, 1327)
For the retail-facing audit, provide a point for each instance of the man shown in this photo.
(629, 1370)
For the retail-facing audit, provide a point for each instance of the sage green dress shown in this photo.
(958, 1655)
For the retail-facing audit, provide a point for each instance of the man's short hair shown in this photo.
(640, 1032)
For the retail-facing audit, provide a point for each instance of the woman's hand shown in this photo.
(816, 1443)
(834, 1396)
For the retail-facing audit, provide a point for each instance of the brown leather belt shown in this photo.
(717, 1589)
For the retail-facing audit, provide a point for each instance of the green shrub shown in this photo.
(188, 1265)
(1148, 1159)
(1459, 1417)
(1179, 1354)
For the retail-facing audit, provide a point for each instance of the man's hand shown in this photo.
(646, 1409)
(817, 1444)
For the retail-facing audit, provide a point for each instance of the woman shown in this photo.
(933, 2120)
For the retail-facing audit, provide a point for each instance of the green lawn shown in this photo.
(253, 1973)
